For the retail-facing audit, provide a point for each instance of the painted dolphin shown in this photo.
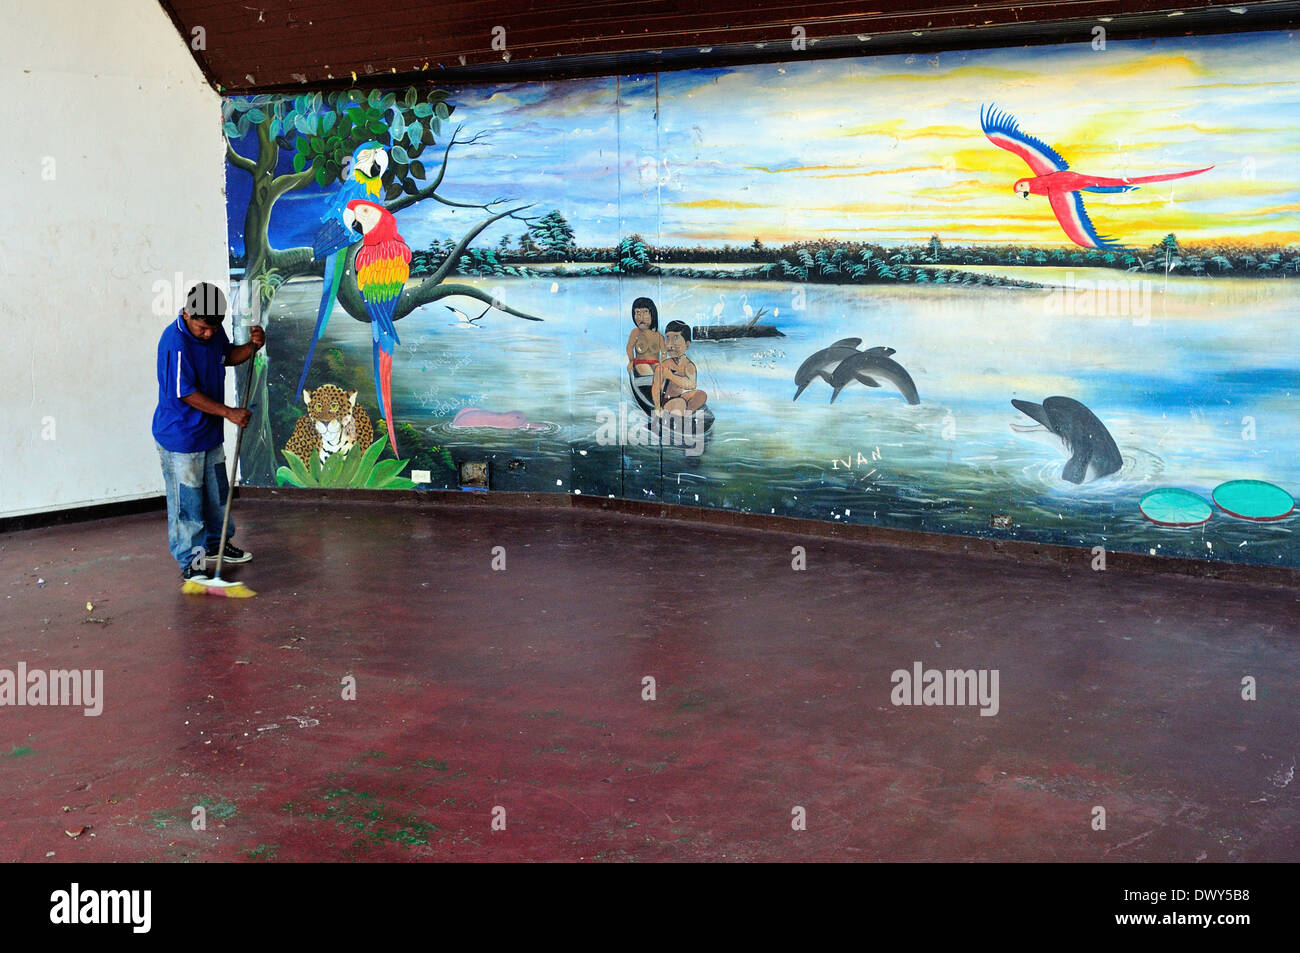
(510, 420)
(1093, 453)
(823, 362)
(866, 366)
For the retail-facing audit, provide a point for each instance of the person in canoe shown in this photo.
(674, 387)
(645, 345)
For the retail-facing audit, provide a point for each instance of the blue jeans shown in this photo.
(196, 501)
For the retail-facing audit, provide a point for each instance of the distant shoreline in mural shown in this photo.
(861, 263)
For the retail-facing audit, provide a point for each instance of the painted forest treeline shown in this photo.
(548, 250)
(857, 262)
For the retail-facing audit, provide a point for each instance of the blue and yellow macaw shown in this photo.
(363, 181)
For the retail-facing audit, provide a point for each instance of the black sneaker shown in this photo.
(233, 555)
(198, 575)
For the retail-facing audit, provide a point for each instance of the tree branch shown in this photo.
(454, 257)
(428, 191)
(291, 261)
(469, 291)
(268, 150)
(412, 298)
(291, 181)
(455, 140)
(238, 161)
(485, 205)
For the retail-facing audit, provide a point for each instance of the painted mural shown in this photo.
(852, 290)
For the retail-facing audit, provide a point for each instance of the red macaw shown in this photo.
(364, 180)
(383, 265)
(1062, 187)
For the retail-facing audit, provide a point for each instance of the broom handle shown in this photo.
(230, 490)
(239, 439)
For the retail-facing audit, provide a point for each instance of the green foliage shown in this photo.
(335, 365)
(830, 261)
(836, 262)
(425, 456)
(323, 129)
(633, 256)
(479, 262)
(554, 235)
(369, 817)
(350, 471)
(426, 262)
(528, 247)
(267, 284)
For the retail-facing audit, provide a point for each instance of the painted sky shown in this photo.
(885, 149)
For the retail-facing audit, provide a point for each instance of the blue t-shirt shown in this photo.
(187, 365)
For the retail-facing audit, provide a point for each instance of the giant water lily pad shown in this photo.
(1253, 500)
(1171, 506)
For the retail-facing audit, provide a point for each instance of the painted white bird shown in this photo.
(465, 321)
(718, 309)
(744, 306)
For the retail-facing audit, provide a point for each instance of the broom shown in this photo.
(216, 586)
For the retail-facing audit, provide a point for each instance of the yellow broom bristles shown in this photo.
(216, 587)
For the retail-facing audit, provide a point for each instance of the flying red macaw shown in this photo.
(383, 265)
(1062, 187)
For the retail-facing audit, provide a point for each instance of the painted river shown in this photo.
(1195, 378)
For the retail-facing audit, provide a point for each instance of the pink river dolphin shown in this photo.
(511, 420)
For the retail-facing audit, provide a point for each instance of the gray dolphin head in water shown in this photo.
(866, 366)
(823, 362)
(1093, 453)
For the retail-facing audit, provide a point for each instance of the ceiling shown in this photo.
(261, 45)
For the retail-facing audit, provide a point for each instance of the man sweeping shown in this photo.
(193, 354)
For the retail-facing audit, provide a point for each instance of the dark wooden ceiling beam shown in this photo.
(256, 45)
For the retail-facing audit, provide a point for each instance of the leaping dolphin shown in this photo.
(1093, 453)
(823, 362)
(866, 366)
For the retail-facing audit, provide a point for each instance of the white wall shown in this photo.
(113, 180)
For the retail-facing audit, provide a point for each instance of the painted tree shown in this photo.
(633, 255)
(527, 247)
(554, 235)
(323, 129)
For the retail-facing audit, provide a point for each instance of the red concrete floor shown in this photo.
(522, 690)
